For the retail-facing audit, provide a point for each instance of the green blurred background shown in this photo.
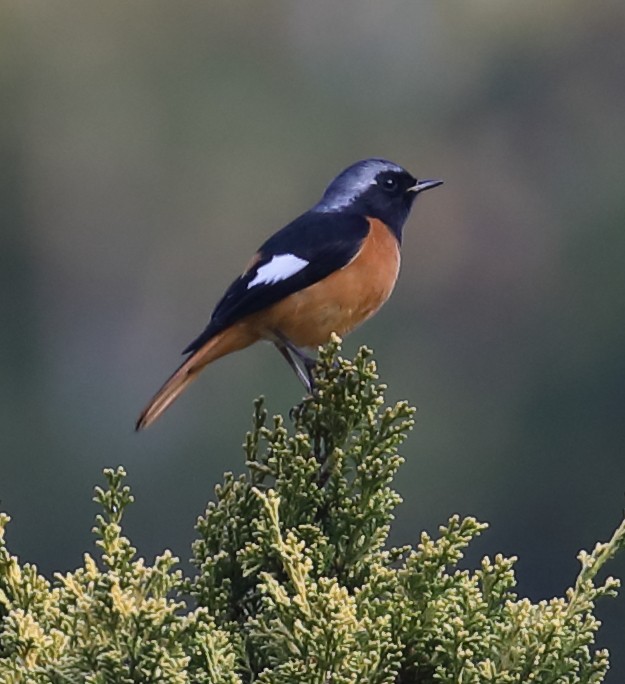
(147, 148)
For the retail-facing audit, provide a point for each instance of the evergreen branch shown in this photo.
(294, 579)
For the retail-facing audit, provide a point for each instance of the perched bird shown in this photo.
(327, 271)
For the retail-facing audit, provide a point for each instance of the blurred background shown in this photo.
(148, 148)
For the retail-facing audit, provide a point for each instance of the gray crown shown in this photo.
(350, 184)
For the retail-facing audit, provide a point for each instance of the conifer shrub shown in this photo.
(294, 579)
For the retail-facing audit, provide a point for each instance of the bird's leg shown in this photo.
(303, 377)
(309, 366)
(286, 348)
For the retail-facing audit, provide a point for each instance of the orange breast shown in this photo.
(341, 301)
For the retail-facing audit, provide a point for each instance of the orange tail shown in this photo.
(232, 339)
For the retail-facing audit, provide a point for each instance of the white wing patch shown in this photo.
(281, 267)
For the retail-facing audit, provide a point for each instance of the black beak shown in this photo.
(422, 185)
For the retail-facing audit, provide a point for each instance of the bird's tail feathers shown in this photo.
(224, 342)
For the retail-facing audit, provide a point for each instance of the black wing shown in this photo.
(327, 241)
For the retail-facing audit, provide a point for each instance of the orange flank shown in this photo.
(340, 302)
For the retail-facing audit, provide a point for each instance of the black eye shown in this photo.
(389, 184)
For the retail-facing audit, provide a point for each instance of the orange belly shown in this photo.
(339, 302)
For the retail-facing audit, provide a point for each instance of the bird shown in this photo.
(326, 272)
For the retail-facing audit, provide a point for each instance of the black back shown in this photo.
(327, 241)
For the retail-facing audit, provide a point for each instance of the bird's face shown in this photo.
(375, 188)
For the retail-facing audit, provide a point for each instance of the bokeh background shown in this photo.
(147, 148)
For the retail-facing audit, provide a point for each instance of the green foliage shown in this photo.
(294, 581)
(120, 622)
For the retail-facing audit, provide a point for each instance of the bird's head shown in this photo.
(377, 188)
